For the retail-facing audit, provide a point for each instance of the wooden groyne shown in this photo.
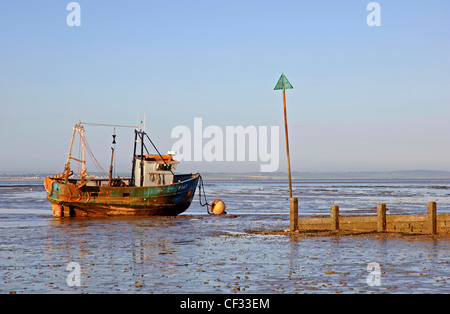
(431, 223)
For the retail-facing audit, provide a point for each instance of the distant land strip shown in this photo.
(386, 175)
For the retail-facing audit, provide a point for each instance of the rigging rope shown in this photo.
(170, 168)
(79, 158)
(96, 163)
(200, 188)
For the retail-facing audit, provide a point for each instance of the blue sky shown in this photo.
(364, 98)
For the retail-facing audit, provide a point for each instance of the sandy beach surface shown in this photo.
(239, 253)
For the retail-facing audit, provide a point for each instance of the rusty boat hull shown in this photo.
(94, 200)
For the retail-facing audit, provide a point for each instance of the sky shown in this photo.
(364, 99)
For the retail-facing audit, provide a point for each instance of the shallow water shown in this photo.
(198, 253)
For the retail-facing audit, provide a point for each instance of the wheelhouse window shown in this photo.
(164, 167)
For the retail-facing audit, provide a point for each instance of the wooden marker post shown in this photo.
(432, 217)
(293, 213)
(284, 84)
(334, 218)
(381, 217)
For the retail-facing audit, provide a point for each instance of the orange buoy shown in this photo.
(218, 207)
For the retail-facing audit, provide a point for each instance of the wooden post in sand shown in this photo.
(334, 218)
(381, 217)
(432, 217)
(293, 213)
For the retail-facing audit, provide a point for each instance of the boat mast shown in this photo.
(69, 156)
(111, 167)
(77, 128)
(142, 157)
(112, 157)
(83, 153)
(136, 132)
(134, 158)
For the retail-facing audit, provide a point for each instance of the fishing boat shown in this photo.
(152, 189)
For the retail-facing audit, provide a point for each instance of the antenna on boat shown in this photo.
(137, 120)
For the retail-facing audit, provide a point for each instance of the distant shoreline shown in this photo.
(21, 178)
(350, 175)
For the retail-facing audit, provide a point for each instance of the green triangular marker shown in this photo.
(283, 83)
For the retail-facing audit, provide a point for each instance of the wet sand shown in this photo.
(246, 251)
(212, 254)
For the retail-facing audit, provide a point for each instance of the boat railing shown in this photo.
(103, 182)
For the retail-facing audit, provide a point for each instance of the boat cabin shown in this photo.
(151, 170)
